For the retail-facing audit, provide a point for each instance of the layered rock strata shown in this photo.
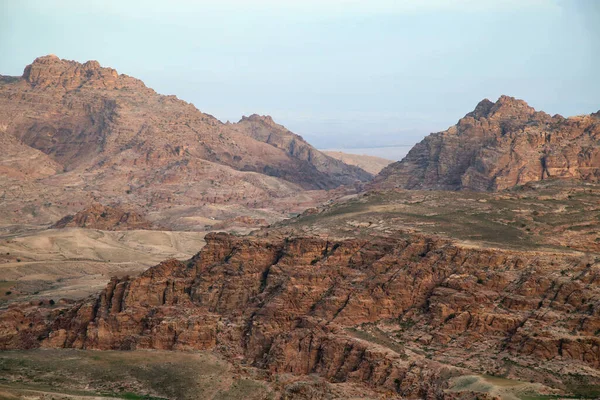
(301, 306)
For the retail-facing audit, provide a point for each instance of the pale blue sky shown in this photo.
(340, 72)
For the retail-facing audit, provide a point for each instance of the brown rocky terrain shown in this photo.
(371, 164)
(500, 145)
(264, 129)
(81, 133)
(22, 162)
(246, 222)
(98, 216)
(490, 293)
(387, 304)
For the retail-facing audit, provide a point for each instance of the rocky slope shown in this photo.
(97, 135)
(98, 216)
(264, 129)
(400, 315)
(500, 145)
(21, 162)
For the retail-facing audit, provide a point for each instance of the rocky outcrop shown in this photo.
(301, 306)
(500, 145)
(108, 218)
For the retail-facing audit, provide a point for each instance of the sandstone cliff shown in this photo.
(500, 145)
(402, 315)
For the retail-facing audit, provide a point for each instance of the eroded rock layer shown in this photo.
(388, 313)
(109, 218)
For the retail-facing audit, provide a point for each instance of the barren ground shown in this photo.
(76, 262)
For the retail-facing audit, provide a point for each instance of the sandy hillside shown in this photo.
(370, 164)
(75, 262)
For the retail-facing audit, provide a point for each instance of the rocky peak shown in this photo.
(505, 107)
(51, 71)
(497, 146)
(482, 110)
(265, 119)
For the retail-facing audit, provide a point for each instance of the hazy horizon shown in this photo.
(341, 73)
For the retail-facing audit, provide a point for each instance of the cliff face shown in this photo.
(500, 145)
(395, 314)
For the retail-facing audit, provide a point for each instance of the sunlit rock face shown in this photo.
(500, 145)
(293, 306)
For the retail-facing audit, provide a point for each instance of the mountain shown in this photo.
(500, 145)
(115, 140)
(429, 294)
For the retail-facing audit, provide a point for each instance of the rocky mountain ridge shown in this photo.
(398, 315)
(500, 145)
(117, 141)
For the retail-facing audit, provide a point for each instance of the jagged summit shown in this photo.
(497, 146)
(51, 71)
(505, 106)
(483, 109)
(267, 119)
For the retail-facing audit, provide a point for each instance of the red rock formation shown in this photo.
(99, 216)
(500, 145)
(289, 306)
